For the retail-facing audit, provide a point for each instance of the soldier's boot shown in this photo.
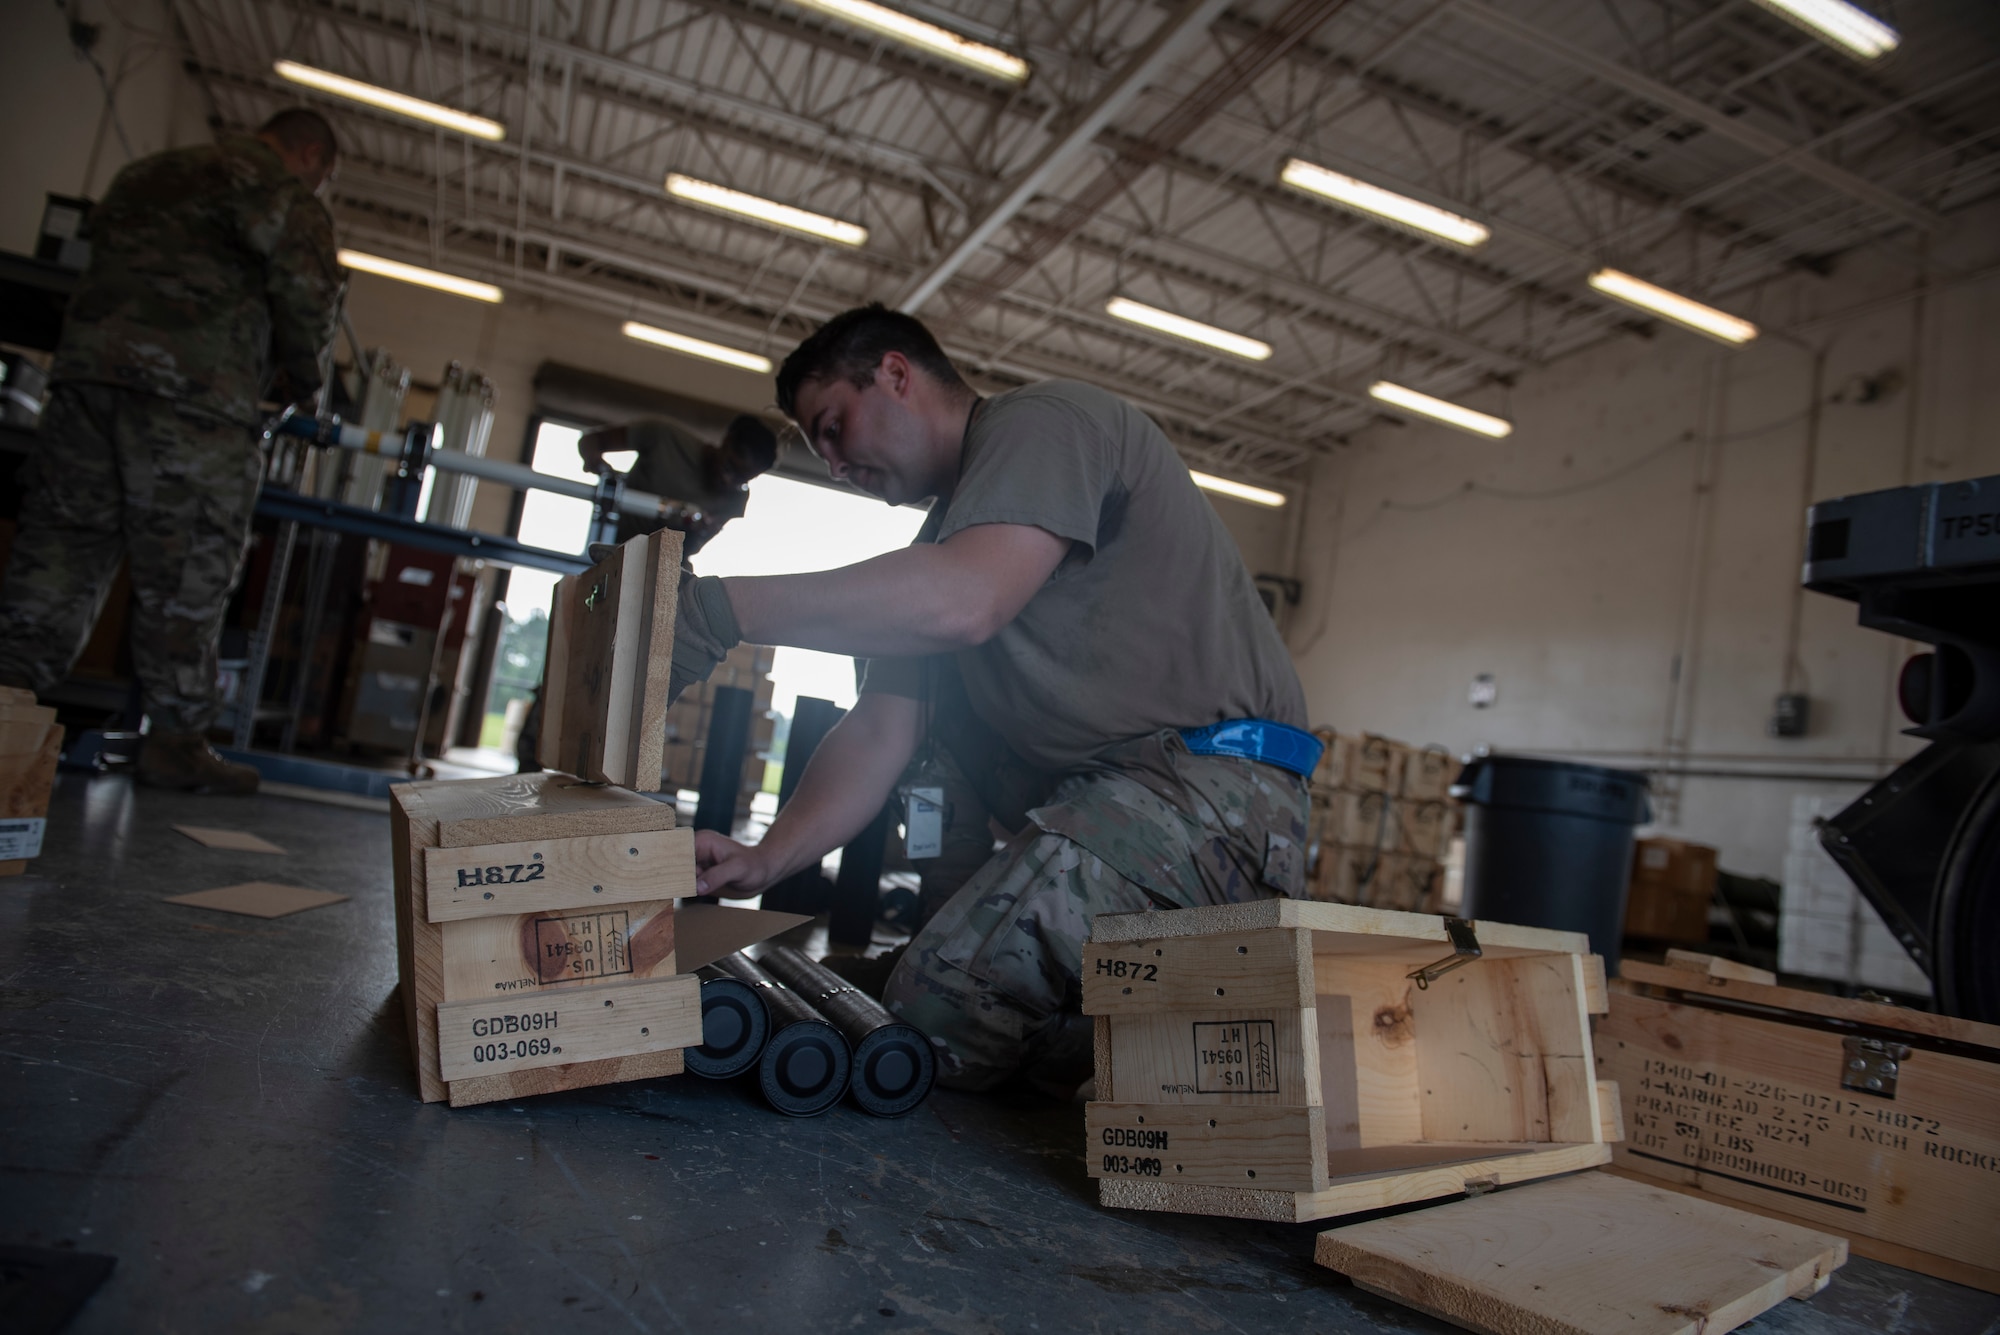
(186, 761)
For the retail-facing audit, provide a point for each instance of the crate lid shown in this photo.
(1704, 980)
(611, 650)
(1590, 1252)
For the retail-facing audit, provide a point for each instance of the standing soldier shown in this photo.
(677, 465)
(212, 283)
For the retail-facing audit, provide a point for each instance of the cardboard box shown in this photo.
(1673, 882)
(1771, 1112)
(30, 745)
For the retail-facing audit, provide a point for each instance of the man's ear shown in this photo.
(894, 374)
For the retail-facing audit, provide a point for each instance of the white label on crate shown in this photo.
(923, 823)
(21, 838)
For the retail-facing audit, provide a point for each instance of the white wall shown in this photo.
(1647, 512)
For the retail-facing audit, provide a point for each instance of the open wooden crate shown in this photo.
(1292, 1060)
(1276, 1060)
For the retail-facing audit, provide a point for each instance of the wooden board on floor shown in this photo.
(1584, 1255)
(610, 653)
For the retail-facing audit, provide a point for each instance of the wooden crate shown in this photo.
(1364, 764)
(1277, 1060)
(611, 637)
(1740, 1090)
(535, 935)
(1274, 1060)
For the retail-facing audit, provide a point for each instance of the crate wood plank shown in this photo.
(1247, 1056)
(1596, 992)
(1104, 1081)
(521, 808)
(1417, 933)
(1282, 1149)
(1752, 1110)
(1592, 1253)
(1255, 969)
(1717, 967)
(556, 1079)
(519, 1033)
(557, 949)
(1503, 1052)
(1612, 1129)
(1351, 1193)
(581, 872)
(1368, 1052)
(413, 827)
(612, 646)
(1813, 1004)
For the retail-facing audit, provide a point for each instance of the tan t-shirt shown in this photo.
(1150, 622)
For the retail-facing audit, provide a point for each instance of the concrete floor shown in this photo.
(224, 1104)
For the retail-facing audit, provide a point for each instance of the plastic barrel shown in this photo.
(735, 1025)
(805, 1066)
(893, 1062)
(1548, 843)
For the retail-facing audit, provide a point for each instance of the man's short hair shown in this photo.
(850, 346)
(299, 129)
(752, 442)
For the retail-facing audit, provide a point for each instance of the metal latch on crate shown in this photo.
(1870, 1065)
(1464, 947)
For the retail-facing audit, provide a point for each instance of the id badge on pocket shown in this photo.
(923, 823)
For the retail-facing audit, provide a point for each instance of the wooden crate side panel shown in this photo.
(656, 652)
(502, 1035)
(1334, 926)
(590, 625)
(1282, 1149)
(1751, 1110)
(1368, 1052)
(517, 808)
(1244, 1056)
(1591, 1253)
(557, 949)
(1102, 1058)
(1503, 1053)
(538, 875)
(1351, 1195)
(556, 1079)
(556, 668)
(419, 942)
(1704, 982)
(1260, 970)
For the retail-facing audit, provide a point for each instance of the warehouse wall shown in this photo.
(1626, 564)
(62, 137)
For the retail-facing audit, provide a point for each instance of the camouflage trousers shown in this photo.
(123, 474)
(995, 978)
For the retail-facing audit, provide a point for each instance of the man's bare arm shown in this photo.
(926, 599)
(850, 777)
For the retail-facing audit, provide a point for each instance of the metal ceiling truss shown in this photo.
(1701, 143)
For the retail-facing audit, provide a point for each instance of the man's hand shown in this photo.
(704, 631)
(730, 870)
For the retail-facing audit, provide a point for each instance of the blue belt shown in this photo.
(1258, 739)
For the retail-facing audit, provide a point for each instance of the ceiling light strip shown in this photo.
(927, 36)
(697, 347)
(1441, 410)
(767, 211)
(1166, 322)
(1681, 310)
(339, 85)
(1376, 202)
(1840, 23)
(1242, 491)
(410, 273)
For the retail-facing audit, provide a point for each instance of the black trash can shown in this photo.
(1548, 843)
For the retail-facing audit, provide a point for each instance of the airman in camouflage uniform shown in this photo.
(212, 279)
(1069, 619)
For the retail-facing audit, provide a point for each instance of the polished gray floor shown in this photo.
(224, 1105)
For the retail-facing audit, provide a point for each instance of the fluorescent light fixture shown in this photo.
(1682, 311)
(479, 127)
(1242, 491)
(1251, 349)
(1377, 202)
(697, 347)
(1839, 23)
(930, 37)
(410, 273)
(1440, 410)
(765, 210)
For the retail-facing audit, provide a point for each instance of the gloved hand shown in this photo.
(704, 631)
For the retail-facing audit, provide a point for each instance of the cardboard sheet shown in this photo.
(258, 899)
(705, 931)
(238, 841)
